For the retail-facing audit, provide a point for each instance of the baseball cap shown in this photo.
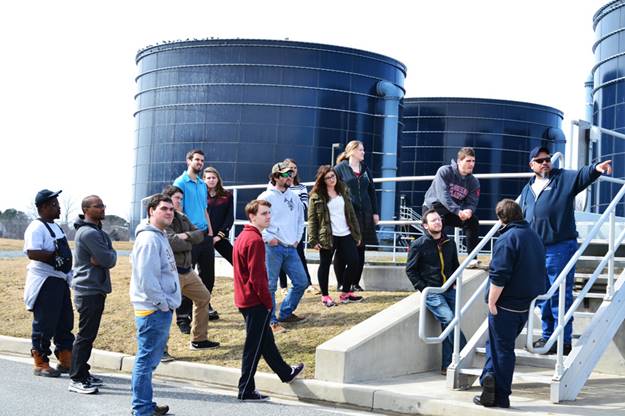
(280, 167)
(45, 195)
(537, 150)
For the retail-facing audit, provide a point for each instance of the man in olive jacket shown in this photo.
(433, 258)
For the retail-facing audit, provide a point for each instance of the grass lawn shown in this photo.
(8, 244)
(117, 329)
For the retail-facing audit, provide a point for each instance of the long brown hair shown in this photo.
(219, 188)
(349, 149)
(296, 177)
(320, 187)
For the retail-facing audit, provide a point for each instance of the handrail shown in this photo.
(560, 284)
(456, 278)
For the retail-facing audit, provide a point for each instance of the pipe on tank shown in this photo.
(588, 87)
(391, 94)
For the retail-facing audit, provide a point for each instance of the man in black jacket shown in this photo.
(517, 275)
(433, 258)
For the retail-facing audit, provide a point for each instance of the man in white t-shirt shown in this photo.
(46, 292)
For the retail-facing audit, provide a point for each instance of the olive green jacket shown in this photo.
(319, 225)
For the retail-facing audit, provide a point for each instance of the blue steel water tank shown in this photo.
(501, 132)
(251, 103)
(609, 95)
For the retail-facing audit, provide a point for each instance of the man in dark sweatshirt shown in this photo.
(252, 297)
(94, 258)
(432, 259)
(454, 194)
(516, 275)
(548, 203)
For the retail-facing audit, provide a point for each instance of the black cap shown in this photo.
(45, 195)
(537, 150)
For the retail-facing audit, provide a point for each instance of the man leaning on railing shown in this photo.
(548, 204)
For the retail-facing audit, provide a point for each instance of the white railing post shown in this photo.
(612, 250)
(457, 236)
(394, 246)
(561, 311)
(455, 359)
(235, 195)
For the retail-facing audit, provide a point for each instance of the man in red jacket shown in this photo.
(252, 297)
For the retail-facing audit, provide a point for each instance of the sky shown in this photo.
(68, 68)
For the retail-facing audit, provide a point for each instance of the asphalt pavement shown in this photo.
(21, 393)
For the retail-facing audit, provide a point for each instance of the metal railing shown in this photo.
(456, 279)
(609, 215)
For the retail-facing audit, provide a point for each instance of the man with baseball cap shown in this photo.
(281, 239)
(46, 292)
(548, 204)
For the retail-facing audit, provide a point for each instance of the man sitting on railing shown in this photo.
(548, 203)
(432, 259)
(454, 194)
(516, 275)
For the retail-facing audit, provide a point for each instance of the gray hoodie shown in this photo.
(454, 191)
(154, 282)
(92, 242)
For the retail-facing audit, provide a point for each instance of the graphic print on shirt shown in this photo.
(457, 191)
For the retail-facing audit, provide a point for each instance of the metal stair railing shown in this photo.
(560, 283)
(456, 278)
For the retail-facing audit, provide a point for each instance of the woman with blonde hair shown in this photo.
(352, 170)
(333, 227)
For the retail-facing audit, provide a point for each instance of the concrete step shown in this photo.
(590, 295)
(522, 374)
(526, 358)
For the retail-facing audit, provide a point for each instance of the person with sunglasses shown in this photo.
(282, 238)
(548, 204)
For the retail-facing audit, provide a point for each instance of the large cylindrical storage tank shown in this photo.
(609, 95)
(501, 132)
(250, 103)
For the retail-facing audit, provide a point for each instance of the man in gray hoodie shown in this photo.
(94, 257)
(154, 293)
(454, 194)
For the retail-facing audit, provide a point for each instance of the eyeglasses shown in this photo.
(543, 160)
(101, 206)
(329, 177)
(286, 174)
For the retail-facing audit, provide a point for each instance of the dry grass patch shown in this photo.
(117, 330)
(8, 244)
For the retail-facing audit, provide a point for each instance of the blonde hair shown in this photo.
(349, 149)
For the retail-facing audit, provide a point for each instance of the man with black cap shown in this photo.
(46, 292)
(548, 204)
(281, 239)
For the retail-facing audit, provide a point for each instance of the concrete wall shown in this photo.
(388, 343)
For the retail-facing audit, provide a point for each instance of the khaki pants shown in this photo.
(192, 287)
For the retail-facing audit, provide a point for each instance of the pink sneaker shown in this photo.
(327, 301)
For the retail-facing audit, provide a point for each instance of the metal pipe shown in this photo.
(612, 249)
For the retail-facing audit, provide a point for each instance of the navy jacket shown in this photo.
(518, 264)
(552, 215)
(431, 262)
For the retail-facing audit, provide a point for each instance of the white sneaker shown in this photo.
(82, 387)
(474, 264)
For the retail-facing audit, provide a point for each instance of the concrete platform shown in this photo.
(423, 394)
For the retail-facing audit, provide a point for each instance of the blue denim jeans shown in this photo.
(556, 257)
(152, 334)
(442, 306)
(285, 258)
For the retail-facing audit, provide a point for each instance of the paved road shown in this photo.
(21, 393)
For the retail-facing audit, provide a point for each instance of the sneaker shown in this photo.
(295, 371)
(184, 327)
(327, 301)
(253, 396)
(203, 345)
(444, 371)
(292, 318)
(350, 298)
(212, 314)
(95, 381)
(83, 387)
(474, 264)
(166, 358)
(357, 288)
(161, 410)
(276, 328)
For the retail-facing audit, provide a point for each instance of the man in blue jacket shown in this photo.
(548, 203)
(516, 276)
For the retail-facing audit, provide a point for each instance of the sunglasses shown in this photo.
(286, 174)
(542, 160)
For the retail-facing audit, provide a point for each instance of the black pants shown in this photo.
(53, 317)
(259, 342)
(340, 265)
(224, 248)
(471, 227)
(203, 255)
(302, 256)
(90, 309)
(345, 248)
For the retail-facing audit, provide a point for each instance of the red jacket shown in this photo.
(251, 285)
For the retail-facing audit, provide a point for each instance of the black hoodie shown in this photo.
(92, 242)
